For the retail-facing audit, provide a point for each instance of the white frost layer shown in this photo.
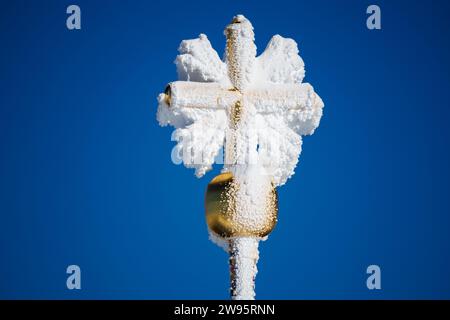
(244, 257)
(277, 109)
(273, 135)
(198, 61)
(200, 134)
(221, 242)
(253, 196)
(267, 98)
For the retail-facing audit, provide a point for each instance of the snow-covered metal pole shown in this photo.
(256, 108)
(240, 56)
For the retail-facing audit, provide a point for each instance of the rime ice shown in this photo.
(257, 109)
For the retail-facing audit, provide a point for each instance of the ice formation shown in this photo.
(257, 109)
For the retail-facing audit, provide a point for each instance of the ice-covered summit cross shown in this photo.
(202, 106)
(257, 109)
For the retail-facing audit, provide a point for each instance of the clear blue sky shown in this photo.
(86, 176)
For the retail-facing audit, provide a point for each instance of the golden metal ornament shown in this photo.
(221, 217)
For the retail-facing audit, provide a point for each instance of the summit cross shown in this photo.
(256, 109)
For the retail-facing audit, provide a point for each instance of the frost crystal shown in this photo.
(283, 108)
(257, 109)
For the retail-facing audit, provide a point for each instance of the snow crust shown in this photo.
(244, 256)
(283, 109)
(257, 109)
